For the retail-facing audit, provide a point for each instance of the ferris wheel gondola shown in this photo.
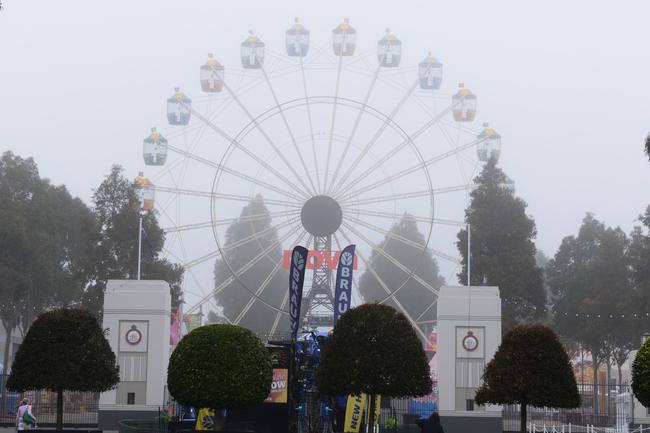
(297, 40)
(179, 108)
(252, 52)
(212, 75)
(344, 39)
(154, 148)
(464, 102)
(489, 145)
(389, 50)
(430, 73)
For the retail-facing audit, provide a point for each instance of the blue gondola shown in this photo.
(430, 73)
(297, 38)
(179, 107)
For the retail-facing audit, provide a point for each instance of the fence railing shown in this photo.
(79, 408)
(600, 409)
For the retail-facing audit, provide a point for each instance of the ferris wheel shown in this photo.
(321, 146)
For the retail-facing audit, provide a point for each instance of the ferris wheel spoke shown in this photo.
(333, 124)
(354, 128)
(375, 137)
(393, 260)
(248, 152)
(232, 172)
(286, 124)
(311, 124)
(417, 319)
(408, 195)
(396, 216)
(402, 173)
(390, 295)
(264, 284)
(224, 196)
(404, 240)
(236, 274)
(228, 221)
(242, 241)
(269, 140)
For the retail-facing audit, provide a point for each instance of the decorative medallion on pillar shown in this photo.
(133, 336)
(470, 342)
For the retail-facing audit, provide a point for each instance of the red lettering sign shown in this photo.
(316, 259)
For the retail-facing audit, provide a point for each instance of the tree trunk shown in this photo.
(596, 365)
(5, 363)
(523, 417)
(59, 409)
(620, 376)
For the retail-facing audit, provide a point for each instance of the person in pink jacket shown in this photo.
(21, 419)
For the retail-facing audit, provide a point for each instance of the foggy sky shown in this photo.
(566, 84)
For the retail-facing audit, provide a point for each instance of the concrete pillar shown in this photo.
(469, 333)
(137, 316)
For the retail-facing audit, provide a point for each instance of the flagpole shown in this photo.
(139, 245)
(469, 253)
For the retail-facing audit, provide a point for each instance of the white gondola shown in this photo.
(179, 108)
(430, 73)
(389, 50)
(252, 52)
(297, 40)
(464, 105)
(154, 148)
(344, 39)
(212, 75)
(489, 144)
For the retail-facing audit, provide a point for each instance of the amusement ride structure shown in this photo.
(339, 145)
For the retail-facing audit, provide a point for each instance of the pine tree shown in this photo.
(401, 244)
(235, 296)
(503, 252)
(117, 211)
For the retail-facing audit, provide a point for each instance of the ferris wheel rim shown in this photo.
(305, 101)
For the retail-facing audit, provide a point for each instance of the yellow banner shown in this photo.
(354, 413)
(377, 410)
(205, 419)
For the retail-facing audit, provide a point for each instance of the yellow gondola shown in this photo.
(464, 105)
(146, 192)
(344, 39)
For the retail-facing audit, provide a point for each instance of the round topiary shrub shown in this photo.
(641, 374)
(220, 367)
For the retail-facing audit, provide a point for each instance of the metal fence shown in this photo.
(79, 408)
(599, 404)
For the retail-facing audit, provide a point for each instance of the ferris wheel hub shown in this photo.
(321, 215)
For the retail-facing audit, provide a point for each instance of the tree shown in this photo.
(503, 252)
(117, 211)
(590, 280)
(647, 146)
(64, 350)
(220, 367)
(403, 244)
(46, 237)
(641, 374)
(251, 238)
(639, 255)
(530, 368)
(374, 350)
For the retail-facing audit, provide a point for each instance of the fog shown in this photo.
(564, 83)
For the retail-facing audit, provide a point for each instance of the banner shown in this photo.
(296, 281)
(279, 387)
(354, 413)
(343, 287)
(205, 419)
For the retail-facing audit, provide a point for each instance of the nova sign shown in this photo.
(316, 259)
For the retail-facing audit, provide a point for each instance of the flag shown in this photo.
(296, 281)
(343, 287)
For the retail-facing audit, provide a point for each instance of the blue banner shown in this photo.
(343, 288)
(296, 281)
